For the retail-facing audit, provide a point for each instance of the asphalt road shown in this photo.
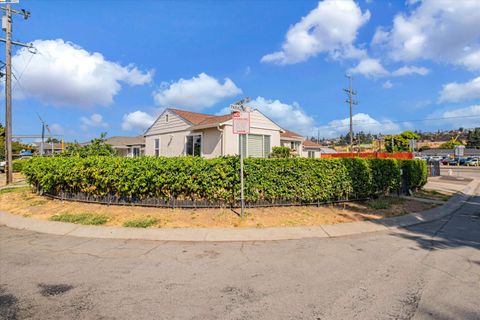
(430, 271)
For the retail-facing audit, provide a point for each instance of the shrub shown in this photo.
(81, 218)
(17, 165)
(217, 180)
(140, 223)
(281, 152)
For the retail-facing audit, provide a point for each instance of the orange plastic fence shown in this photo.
(396, 155)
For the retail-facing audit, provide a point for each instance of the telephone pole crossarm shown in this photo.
(351, 102)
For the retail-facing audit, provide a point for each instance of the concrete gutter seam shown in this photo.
(247, 234)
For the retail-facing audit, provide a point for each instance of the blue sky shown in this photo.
(115, 65)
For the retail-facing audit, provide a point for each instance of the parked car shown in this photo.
(447, 161)
(2, 166)
(473, 162)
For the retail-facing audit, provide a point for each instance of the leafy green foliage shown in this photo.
(217, 180)
(450, 144)
(473, 138)
(401, 142)
(281, 152)
(96, 147)
(140, 223)
(80, 218)
(17, 146)
(18, 165)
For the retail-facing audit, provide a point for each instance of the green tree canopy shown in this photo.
(401, 142)
(450, 144)
(473, 138)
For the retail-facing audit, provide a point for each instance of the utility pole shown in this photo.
(7, 27)
(8, 95)
(351, 102)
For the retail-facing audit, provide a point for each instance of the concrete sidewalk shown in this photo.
(240, 234)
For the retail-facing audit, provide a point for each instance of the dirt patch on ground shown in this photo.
(17, 178)
(23, 202)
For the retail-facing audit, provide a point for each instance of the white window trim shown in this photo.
(246, 144)
(201, 143)
(155, 147)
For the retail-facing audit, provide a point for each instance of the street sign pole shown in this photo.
(242, 196)
(241, 126)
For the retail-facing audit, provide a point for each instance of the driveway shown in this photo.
(430, 271)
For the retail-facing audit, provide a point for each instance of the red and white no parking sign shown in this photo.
(241, 122)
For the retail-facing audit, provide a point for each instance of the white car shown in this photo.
(2, 166)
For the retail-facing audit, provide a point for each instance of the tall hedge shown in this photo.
(194, 178)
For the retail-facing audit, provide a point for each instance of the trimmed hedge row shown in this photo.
(217, 180)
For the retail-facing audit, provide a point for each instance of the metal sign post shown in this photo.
(241, 126)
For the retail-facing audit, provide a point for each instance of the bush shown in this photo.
(17, 165)
(217, 180)
(281, 152)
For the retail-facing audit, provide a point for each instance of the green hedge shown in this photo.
(194, 178)
(18, 165)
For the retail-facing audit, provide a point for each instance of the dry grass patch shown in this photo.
(434, 195)
(23, 202)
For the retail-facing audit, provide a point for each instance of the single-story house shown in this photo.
(178, 132)
(49, 148)
(127, 146)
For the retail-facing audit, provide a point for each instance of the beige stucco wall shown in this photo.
(211, 142)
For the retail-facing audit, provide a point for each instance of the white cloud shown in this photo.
(64, 74)
(94, 121)
(196, 93)
(456, 92)
(407, 70)
(332, 26)
(370, 68)
(137, 120)
(387, 85)
(56, 129)
(361, 122)
(471, 60)
(468, 117)
(444, 31)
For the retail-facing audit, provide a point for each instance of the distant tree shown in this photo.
(401, 142)
(473, 138)
(96, 147)
(52, 140)
(450, 144)
(17, 146)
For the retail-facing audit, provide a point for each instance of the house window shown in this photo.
(157, 147)
(255, 145)
(294, 145)
(194, 145)
(136, 151)
(166, 118)
(311, 154)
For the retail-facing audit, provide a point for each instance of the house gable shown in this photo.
(167, 122)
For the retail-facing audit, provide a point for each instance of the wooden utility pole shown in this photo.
(351, 102)
(8, 95)
(7, 27)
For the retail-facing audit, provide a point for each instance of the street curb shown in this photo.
(240, 234)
